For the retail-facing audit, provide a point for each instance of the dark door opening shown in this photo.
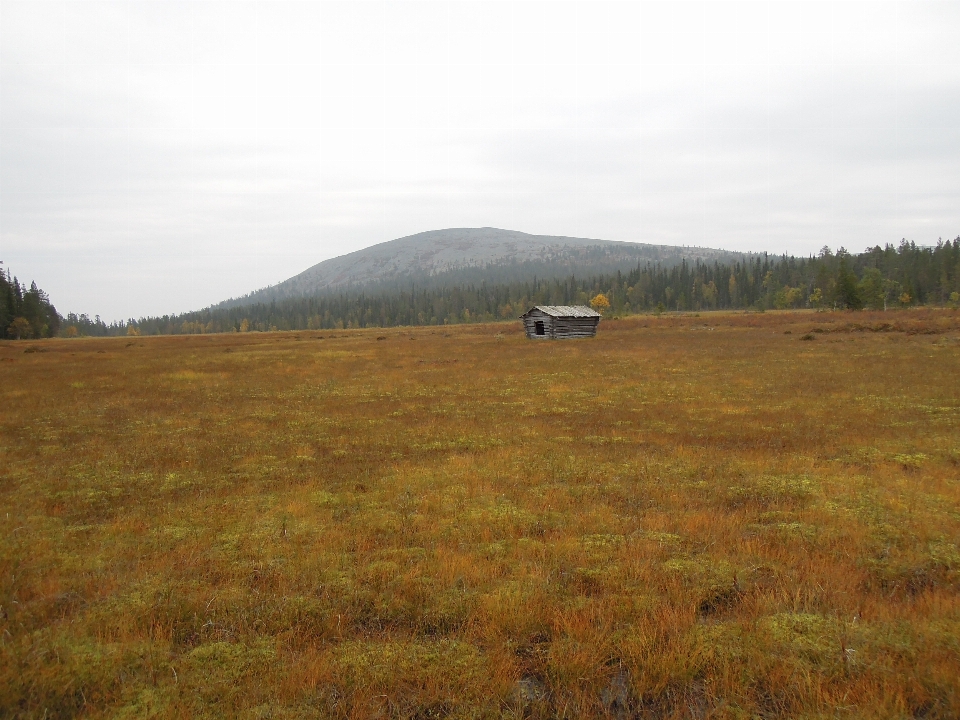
(538, 328)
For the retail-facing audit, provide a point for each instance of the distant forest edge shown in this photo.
(894, 276)
(26, 312)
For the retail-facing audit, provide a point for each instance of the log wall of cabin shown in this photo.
(529, 324)
(560, 328)
(567, 328)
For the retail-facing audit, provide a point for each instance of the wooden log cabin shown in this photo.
(560, 322)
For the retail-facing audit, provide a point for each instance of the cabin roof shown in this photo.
(564, 311)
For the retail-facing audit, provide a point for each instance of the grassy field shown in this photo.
(723, 516)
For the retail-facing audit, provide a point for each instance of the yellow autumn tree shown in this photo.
(19, 328)
(600, 303)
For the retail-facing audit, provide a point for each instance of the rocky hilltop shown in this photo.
(457, 255)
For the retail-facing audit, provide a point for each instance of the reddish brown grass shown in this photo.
(685, 517)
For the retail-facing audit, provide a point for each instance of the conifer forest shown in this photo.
(908, 275)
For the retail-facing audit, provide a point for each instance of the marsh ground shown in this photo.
(730, 515)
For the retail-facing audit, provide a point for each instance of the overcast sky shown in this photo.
(159, 156)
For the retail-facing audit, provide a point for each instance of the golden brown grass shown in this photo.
(685, 517)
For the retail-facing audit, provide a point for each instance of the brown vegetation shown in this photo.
(685, 517)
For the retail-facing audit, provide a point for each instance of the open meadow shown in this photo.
(715, 516)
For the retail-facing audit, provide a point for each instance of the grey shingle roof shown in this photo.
(564, 311)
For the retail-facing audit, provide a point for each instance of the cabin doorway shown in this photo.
(538, 328)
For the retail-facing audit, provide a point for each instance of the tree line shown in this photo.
(25, 312)
(893, 276)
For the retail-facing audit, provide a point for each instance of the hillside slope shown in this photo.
(459, 255)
